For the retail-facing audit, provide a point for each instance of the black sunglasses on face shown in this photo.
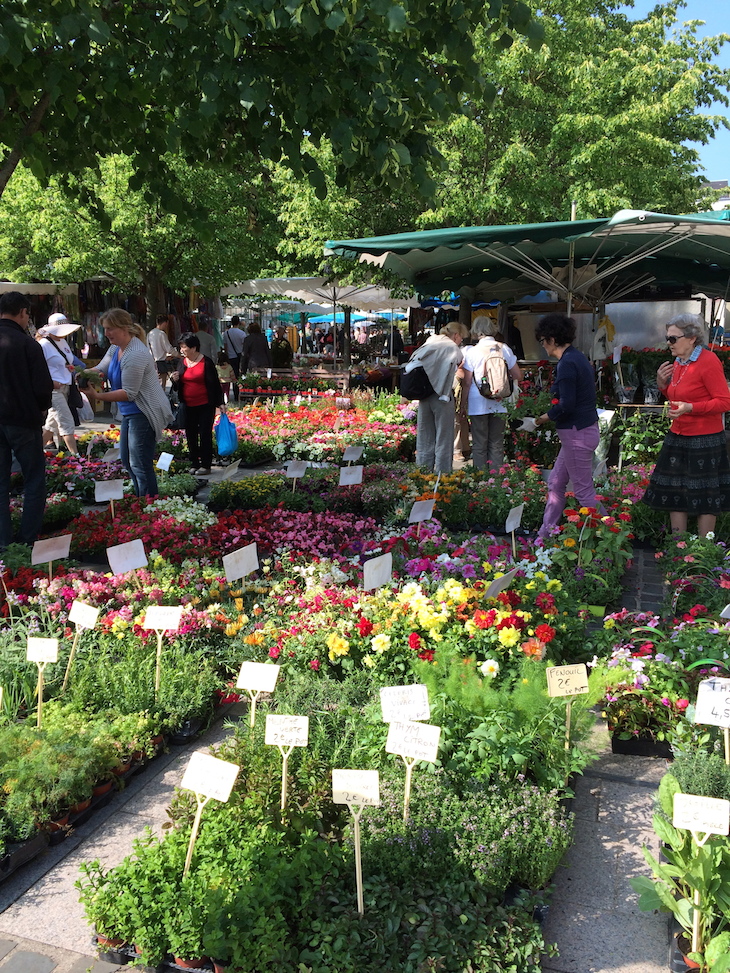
(672, 338)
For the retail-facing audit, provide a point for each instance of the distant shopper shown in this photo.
(26, 388)
(199, 389)
(208, 343)
(255, 352)
(226, 375)
(161, 349)
(60, 422)
(233, 344)
(282, 353)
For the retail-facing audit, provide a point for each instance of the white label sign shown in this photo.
(51, 549)
(528, 425)
(420, 511)
(296, 468)
(165, 461)
(239, 563)
(404, 703)
(352, 453)
(356, 787)
(377, 571)
(108, 490)
(499, 584)
(514, 519)
(163, 618)
(606, 415)
(42, 650)
(258, 677)
(126, 557)
(111, 455)
(287, 731)
(617, 354)
(350, 475)
(706, 814)
(725, 613)
(83, 615)
(210, 776)
(713, 702)
(567, 680)
(417, 740)
(230, 470)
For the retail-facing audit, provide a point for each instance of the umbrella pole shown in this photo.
(571, 260)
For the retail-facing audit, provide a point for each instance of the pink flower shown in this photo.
(682, 705)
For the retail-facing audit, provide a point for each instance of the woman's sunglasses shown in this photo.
(672, 338)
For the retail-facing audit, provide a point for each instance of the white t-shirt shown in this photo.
(233, 342)
(58, 355)
(159, 344)
(473, 358)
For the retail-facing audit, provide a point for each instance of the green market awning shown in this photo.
(599, 260)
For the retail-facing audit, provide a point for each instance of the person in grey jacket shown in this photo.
(135, 388)
(255, 352)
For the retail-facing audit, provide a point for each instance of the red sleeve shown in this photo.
(712, 376)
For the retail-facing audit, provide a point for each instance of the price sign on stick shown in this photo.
(108, 490)
(500, 584)
(257, 678)
(239, 563)
(161, 618)
(420, 511)
(528, 425)
(352, 453)
(286, 732)
(41, 651)
(567, 681)
(514, 519)
(296, 468)
(725, 613)
(358, 789)
(83, 616)
(350, 475)
(377, 571)
(165, 461)
(404, 703)
(51, 549)
(713, 707)
(230, 471)
(111, 455)
(412, 742)
(126, 557)
(207, 777)
(617, 354)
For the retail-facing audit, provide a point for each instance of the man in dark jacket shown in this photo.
(25, 397)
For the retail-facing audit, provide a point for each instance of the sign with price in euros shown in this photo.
(567, 680)
(701, 814)
(713, 702)
(356, 787)
(287, 731)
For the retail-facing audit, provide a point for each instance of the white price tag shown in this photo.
(296, 468)
(350, 475)
(165, 460)
(356, 787)
(725, 613)
(239, 563)
(528, 425)
(126, 557)
(352, 453)
(210, 776)
(83, 615)
(377, 571)
(163, 618)
(404, 703)
(230, 471)
(108, 490)
(500, 584)
(417, 740)
(713, 702)
(51, 549)
(268, 373)
(606, 415)
(258, 677)
(420, 511)
(567, 680)
(42, 650)
(706, 814)
(111, 455)
(287, 731)
(514, 519)
(617, 354)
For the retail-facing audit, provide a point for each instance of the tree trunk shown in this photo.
(347, 350)
(152, 287)
(30, 128)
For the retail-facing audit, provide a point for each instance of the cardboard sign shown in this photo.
(500, 584)
(356, 787)
(108, 490)
(42, 650)
(377, 571)
(606, 415)
(126, 557)
(165, 461)
(352, 453)
(420, 741)
(420, 511)
(296, 469)
(51, 549)
(514, 519)
(83, 615)
(268, 373)
(706, 814)
(287, 731)
(404, 703)
(258, 677)
(239, 563)
(617, 355)
(230, 471)
(725, 613)
(210, 776)
(567, 680)
(163, 618)
(350, 475)
(713, 702)
(111, 455)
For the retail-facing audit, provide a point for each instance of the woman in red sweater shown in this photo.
(199, 389)
(692, 473)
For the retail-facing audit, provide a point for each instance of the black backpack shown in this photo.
(415, 384)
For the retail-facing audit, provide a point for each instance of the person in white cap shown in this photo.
(59, 358)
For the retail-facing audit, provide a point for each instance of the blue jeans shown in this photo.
(137, 453)
(27, 444)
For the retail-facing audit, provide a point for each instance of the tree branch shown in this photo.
(29, 129)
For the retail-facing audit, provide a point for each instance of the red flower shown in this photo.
(546, 633)
(426, 655)
(554, 401)
(314, 664)
(364, 626)
(414, 641)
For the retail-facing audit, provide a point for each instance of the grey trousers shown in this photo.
(435, 434)
(487, 436)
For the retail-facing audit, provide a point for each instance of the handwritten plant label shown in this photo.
(404, 703)
(377, 571)
(126, 557)
(51, 549)
(163, 618)
(230, 470)
(350, 475)
(419, 741)
(297, 401)
(706, 814)
(268, 373)
(356, 787)
(514, 519)
(210, 776)
(713, 702)
(606, 415)
(287, 731)
(239, 563)
(352, 453)
(165, 460)
(83, 615)
(528, 425)
(111, 455)
(42, 650)
(296, 469)
(420, 511)
(108, 490)
(725, 613)
(258, 677)
(567, 680)
(500, 584)
(617, 354)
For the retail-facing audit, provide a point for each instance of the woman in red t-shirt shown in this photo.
(200, 390)
(692, 473)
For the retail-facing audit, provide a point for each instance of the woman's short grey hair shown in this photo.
(691, 326)
(483, 326)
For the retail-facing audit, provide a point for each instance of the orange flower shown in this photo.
(534, 648)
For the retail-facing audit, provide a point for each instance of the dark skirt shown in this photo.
(692, 475)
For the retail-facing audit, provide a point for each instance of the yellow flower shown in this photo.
(337, 646)
(369, 661)
(486, 567)
(509, 636)
(609, 623)
(554, 584)
(381, 643)
(569, 542)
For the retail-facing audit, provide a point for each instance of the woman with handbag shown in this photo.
(60, 422)
(200, 392)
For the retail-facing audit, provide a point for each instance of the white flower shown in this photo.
(489, 668)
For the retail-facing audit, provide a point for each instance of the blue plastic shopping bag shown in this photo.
(226, 436)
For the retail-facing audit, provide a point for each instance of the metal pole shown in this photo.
(571, 260)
